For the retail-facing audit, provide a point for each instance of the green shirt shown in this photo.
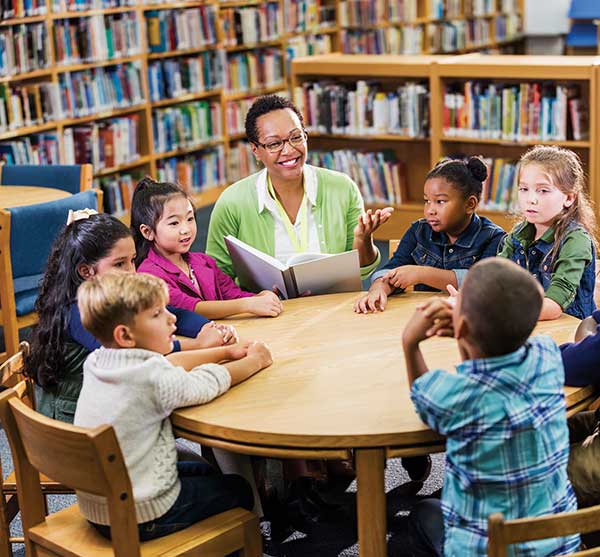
(236, 212)
(569, 264)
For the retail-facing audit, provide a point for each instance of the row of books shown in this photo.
(364, 108)
(529, 111)
(308, 15)
(254, 69)
(361, 12)
(507, 26)
(118, 191)
(59, 6)
(478, 8)
(105, 144)
(241, 161)
(247, 26)
(39, 148)
(28, 105)
(171, 78)
(400, 11)
(98, 89)
(500, 190)
(196, 173)
(235, 113)
(186, 125)
(21, 8)
(379, 176)
(181, 29)
(306, 46)
(96, 38)
(23, 48)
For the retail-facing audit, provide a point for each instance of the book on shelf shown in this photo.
(304, 45)
(364, 108)
(96, 38)
(379, 176)
(174, 77)
(308, 15)
(254, 69)
(100, 89)
(195, 173)
(361, 12)
(251, 25)
(59, 6)
(317, 273)
(23, 48)
(241, 161)
(105, 144)
(186, 125)
(181, 29)
(530, 111)
(42, 148)
(118, 191)
(21, 8)
(402, 11)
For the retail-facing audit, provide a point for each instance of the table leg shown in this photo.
(372, 526)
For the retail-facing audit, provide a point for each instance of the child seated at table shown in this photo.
(503, 413)
(129, 384)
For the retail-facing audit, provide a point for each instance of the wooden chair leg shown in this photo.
(252, 539)
(7, 513)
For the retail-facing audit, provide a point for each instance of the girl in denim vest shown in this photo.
(438, 249)
(555, 241)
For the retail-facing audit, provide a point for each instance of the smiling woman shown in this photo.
(291, 207)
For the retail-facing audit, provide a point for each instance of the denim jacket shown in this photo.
(421, 245)
(533, 258)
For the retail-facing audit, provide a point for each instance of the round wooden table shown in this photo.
(338, 382)
(18, 196)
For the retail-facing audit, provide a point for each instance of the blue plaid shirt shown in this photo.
(507, 444)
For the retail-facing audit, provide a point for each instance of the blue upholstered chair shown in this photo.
(26, 236)
(72, 178)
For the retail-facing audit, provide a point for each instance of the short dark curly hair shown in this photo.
(263, 105)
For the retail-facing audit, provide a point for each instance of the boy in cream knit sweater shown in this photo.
(129, 384)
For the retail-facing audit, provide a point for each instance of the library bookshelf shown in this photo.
(441, 75)
(42, 77)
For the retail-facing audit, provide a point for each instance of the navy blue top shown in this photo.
(421, 245)
(188, 325)
(581, 359)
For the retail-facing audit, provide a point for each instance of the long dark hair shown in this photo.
(84, 241)
(147, 207)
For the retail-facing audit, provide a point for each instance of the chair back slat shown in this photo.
(12, 370)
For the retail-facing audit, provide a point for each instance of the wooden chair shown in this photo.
(90, 460)
(26, 237)
(11, 375)
(72, 178)
(502, 533)
(393, 244)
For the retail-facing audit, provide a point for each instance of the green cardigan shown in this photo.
(336, 212)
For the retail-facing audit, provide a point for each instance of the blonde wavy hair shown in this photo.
(564, 168)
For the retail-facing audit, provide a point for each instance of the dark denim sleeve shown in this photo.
(188, 322)
(403, 253)
(494, 244)
(580, 359)
(78, 333)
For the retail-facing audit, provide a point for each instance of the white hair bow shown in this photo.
(80, 214)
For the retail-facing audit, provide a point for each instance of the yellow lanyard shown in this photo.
(302, 245)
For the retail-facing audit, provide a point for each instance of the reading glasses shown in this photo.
(275, 146)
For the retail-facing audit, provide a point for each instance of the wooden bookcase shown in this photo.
(297, 29)
(420, 154)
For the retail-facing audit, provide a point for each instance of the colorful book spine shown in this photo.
(21, 8)
(241, 161)
(40, 148)
(28, 105)
(195, 173)
(256, 69)
(364, 108)
(96, 38)
(186, 125)
(356, 13)
(402, 11)
(23, 48)
(118, 191)
(59, 6)
(171, 78)
(251, 25)
(308, 15)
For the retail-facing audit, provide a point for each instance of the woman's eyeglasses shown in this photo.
(295, 140)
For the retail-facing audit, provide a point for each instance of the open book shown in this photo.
(315, 272)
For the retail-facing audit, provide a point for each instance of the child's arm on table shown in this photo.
(433, 318)
(211, 335)
(258, 357)
(409, 275)
(265, 304)
(192, 358)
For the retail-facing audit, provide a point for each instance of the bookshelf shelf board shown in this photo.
(365, 137)
(363, 26)
(236, 96)
(103, 114)
(207, 196)
(237, 136)
(252, 46)
(26, 76)
(570, 144)
(313, 31)
(103, 63)
(126, 166)
(390, 66)
(172, 5)
(188, 150)
(186, 98)
(89, 13)
(28, 130)
(242, 3)
(22, 20)
(182, 52)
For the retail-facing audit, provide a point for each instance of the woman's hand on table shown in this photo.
(265, 304)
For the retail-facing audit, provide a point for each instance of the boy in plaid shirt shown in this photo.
(502, 412)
